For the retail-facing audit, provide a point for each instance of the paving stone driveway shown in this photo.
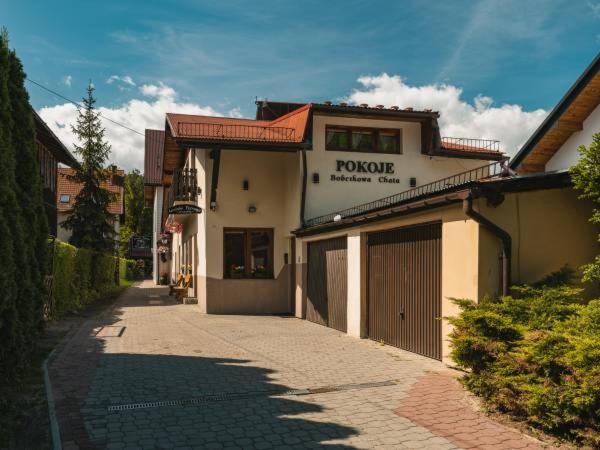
(234, 377)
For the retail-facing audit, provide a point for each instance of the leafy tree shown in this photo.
(586, 178)
(90, 221)
(138, 217)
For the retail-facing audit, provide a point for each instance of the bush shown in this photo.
(127, 269)
(83, 276)
(535, 355)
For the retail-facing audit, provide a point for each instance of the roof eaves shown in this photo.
(588, 74)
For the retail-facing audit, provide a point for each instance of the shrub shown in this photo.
(83, 276)
(535, 355)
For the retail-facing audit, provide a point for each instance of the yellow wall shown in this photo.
(549, 229)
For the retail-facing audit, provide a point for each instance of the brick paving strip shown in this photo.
(439, 403)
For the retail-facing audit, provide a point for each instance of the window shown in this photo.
(65, 198)
(248, 253)
(366, 140)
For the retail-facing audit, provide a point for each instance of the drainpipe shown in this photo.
(499, 233)
(303, 198)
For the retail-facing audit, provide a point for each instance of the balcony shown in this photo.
(471, 145)
(184, 187)
(200, 130)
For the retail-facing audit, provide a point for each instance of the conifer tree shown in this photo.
(90, 221)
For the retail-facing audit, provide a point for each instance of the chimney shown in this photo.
(410, 108)
(364, 105)
(327, 102)
(379, 106)
(395, 107)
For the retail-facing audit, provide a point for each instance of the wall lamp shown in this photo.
(246, 185)
(315, 178)
(413, 182)
(252, 209)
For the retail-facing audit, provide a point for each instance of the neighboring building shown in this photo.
(154, 195)
(572, 123)
(51, 151)
(68, 190)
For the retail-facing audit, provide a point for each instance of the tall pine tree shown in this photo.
(90, 221)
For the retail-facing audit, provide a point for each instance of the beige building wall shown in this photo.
(328, 196)
(274, 189)
(549, 228)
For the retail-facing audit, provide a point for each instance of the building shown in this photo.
(51, 151)
(68, 190)
(235, 189)
(154, 196)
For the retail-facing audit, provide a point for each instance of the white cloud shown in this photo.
(458, 118)
(126, 79)
(68, 80)
(138, 114)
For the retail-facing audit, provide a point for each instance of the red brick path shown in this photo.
(439, 403)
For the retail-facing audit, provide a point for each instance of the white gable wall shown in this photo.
(568, 155)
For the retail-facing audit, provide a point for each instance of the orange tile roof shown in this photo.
(68, 187)
(289, 128)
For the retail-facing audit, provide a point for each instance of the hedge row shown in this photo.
(82, 276)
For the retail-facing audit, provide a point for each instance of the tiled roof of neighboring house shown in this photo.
(72, 189)
(47, 137)
(153, 158)
(289, 128)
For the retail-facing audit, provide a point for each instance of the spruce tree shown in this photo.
(90, 221)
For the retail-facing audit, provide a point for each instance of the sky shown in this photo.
(492, 68)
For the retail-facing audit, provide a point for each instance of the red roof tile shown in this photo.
(289, 128)
(72, 189)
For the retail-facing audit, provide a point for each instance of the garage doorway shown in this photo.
(327, 299)
(404, 288)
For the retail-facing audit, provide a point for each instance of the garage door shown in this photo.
(328, 283)
(404, 288)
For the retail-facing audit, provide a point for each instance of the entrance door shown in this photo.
(404, 288)
(328, 283)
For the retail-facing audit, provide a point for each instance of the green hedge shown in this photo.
(82, 276)
(535, 355)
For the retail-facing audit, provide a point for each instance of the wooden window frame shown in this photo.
(248, 253)
(374, 131)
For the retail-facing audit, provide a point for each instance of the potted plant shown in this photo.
(164, 279)
(260, 271)
(237, 271)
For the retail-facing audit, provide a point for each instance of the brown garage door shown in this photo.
(404, 288)
(328, 283)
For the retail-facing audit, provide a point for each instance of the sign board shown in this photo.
(364, 171)
(185, 209)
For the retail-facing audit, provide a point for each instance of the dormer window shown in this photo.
(65, 198)
(364, 140)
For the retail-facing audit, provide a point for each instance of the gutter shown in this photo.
(303, 197)
(501, 234)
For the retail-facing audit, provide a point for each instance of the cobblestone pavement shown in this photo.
(153, 374)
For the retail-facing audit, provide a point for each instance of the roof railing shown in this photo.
(468, 144)
(440, 186)
(203, 130)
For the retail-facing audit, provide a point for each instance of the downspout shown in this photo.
(303, 197)
(499, 233)
(216, 157)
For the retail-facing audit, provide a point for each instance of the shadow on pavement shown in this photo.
(88, 381)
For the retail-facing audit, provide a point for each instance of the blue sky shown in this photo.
(218, 56)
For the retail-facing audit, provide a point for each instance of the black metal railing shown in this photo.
(235, 132)
(467, 144)
(439, 186)
(185, 185)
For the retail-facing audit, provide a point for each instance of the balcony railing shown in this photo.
(185, 185)
(235, 132)
(466, 144)
(438, 186)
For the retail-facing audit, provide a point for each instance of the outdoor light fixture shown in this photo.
(413, 182)
(316, 178)
(252, 209)
(246, 185)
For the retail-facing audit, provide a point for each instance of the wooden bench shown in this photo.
(177, 284)
(181, 291)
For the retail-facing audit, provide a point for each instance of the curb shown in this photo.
(54, 428)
